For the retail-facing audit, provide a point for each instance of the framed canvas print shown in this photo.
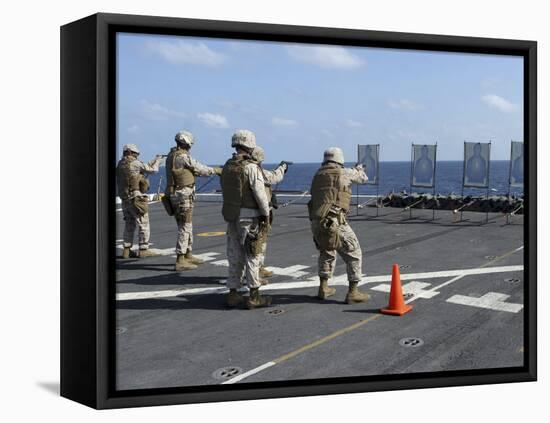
(233, 199)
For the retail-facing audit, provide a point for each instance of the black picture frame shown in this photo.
(87, 208)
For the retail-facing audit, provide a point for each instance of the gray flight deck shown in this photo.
(464, 280)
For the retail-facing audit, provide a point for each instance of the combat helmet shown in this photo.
(130, 147)
(244, 138)
(334, 154)
(185, 137)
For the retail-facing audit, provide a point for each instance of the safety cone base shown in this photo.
(397, 312)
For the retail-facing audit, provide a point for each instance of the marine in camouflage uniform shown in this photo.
(132, 187)
(246, 211)
(330, 202)
(181, 170)
(271, 177)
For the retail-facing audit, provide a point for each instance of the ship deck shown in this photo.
(464, 281)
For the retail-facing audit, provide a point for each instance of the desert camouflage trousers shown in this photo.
(349, 250)
(183, 207)
(132, 220)
(242, 263)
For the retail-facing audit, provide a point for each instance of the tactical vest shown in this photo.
(127, 181)
(328, 190)
(177, 178)
(236, 191)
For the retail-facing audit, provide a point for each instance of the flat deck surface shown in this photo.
(464, 281)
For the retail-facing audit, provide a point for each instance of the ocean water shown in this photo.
(394, 176)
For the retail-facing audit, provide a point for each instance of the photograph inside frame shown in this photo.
(302, 211)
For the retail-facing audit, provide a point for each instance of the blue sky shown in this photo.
(301, 99)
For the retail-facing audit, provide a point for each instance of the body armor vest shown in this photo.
(236, 191)
(177, 178)
(127, 181)
(328, 190)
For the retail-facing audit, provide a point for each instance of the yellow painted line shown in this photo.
(509, 253)
(343, 331)
(220, 233)
(327, 338)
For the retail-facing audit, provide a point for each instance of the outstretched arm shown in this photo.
(355, 175)
(275, 176)
(152, 166)
(195, 166)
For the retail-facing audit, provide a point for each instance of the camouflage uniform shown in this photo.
(183, 200)
(243, 263)
(132, 217)
(350, 250)
(330, 201)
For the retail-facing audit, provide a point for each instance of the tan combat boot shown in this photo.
(183, 264)
(325, 291)
(356, 296)
(264, 273)
(146, 253)
(126, 253)
(234, 298)
(192, 259)
(255, 300)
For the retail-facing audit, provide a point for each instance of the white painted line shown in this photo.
(150, 202)
(249, 373)
(207, 256)
(126, 296)
(415, 288)
(491, 300)
(159, 251)
(314, 282)
(519, 248)
(292, 271)
(224, 263)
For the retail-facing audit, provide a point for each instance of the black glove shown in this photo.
(285, 164)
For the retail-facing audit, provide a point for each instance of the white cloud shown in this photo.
(403, 104)
(499, 103)
(327, 133)
(350, 123)
(213, 120)
(185, 53)
(278, 121)
(134, 129)
(330, 57)
(154, 111)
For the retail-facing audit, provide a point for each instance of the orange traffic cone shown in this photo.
(397, 306)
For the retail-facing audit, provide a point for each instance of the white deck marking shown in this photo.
(207, 256)
(314, 282)
(292, 271)
(415, 288)
(249, 373)
(491, 301)
(224, 263)
(126, 296)
(495, 301)
(159, 251)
